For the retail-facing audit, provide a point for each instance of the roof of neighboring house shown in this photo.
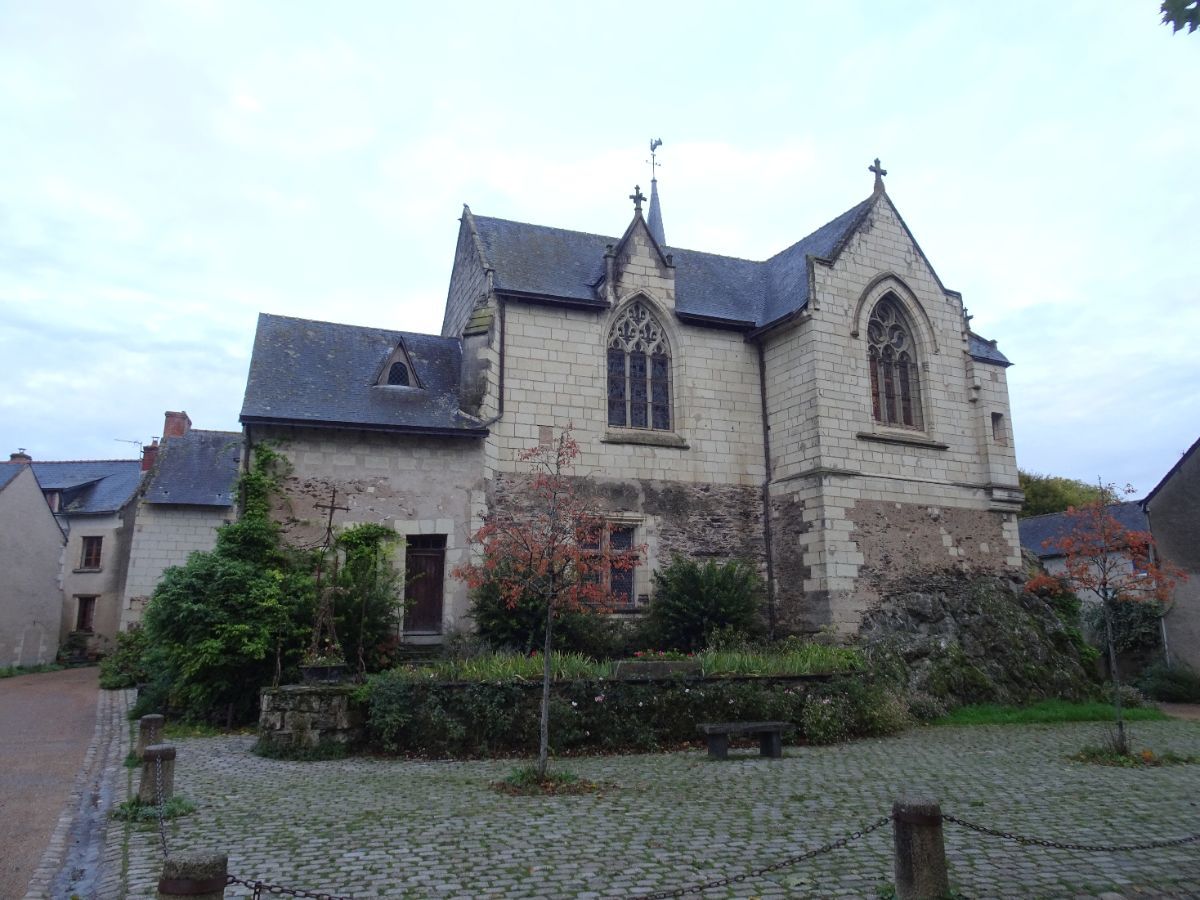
(91, 486)
(1037, 530)
(1171, 474)
(322, 374)
(568, 265)
(199, 468)
(9, 471)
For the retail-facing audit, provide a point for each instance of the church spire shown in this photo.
(654, 219)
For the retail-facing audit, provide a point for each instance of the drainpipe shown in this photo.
(766, 490)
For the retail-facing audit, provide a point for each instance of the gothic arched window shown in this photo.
(895, 377)
(639, 371)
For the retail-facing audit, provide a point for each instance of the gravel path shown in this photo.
(47, 722)
(369, 827)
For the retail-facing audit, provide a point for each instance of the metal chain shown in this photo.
(162, 811)
(774, 867)
(1093, 848)
(261, 887)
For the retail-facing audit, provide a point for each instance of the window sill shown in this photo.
(646, 438)
(87, 570)
(895, 437)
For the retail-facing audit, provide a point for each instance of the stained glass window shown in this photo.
(891, 358)
(639, 371)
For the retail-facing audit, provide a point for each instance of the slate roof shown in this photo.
(535, 260)
(92, 486)
(200, 468)
(1170, 474)
(556, 263)
(1036, 530)
(304, 372)
(8, 471)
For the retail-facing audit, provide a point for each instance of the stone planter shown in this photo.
(301, 717)
(658, 668)
(325, 674)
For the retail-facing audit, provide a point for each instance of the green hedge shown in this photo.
(498, 718)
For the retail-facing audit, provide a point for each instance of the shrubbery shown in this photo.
(125, 667)
(692, 600)
(1170, 683)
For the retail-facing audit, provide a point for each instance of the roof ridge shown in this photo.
(846, 212)
(60, 462)
(349, 325)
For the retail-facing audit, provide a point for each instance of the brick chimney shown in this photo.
(20, 457)
(177, 424)
(149, 455)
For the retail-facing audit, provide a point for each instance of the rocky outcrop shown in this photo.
(966, 639)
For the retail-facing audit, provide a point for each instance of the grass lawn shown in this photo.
(1046, 712)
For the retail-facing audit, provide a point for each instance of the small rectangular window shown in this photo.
(85, 616)
(620, 580)
(998, 434)
(91, 553)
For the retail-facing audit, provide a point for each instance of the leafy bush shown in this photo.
(1136, 624)
(878, 710)
(367, 604)
(923, 707)
(1131, 697)
(1170, 683)
(228, 621)
(827, 719)
(792, 659)
(125, 667)
(693, 600)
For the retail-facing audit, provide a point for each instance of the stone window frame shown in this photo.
(890, 286)
(85, 612)
(641, 533)
(894, 367)
(667, 337)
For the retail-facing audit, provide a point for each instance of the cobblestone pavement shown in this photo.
(372, 827)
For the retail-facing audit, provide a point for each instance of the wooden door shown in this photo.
(424, 571)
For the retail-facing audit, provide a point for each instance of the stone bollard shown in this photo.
(150, 729)
(156, 755)
(197, 876)
(920, 851)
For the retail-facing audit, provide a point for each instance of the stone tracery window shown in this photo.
(639, 371)
(895, 376)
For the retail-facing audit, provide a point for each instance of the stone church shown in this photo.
(827, 413)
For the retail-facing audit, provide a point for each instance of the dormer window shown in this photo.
(397, 370)
(398, 374)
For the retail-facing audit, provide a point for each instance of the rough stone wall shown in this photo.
(468, 283)
(831, 457)
(299, 717)
(418, 485)
(107, 583)
(693, 520)
(165, 536)
(1175, 523)
(31, 599)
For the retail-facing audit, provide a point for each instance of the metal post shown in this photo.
(150, 729)
(920, 850)
(158, 775)
(197, 876)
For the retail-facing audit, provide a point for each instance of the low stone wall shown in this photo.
(302, 716)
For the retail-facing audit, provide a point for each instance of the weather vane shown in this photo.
(655, 143)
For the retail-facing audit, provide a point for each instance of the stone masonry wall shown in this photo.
(165, 536)
(707, 520)
(468, 283)
(418, 485)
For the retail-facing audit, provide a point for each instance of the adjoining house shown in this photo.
(31, 550)
(1173, 510)
(190, 491)
(827, 413)
(93, 501)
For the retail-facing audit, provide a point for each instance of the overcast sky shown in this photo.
(170, 169)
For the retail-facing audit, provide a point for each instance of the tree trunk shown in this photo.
(1122, 744)
(544, 741)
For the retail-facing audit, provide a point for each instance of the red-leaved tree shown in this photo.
(551, 544)
(1117, 564)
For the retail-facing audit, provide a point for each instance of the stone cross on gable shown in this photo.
(879, 173)
(637, 197)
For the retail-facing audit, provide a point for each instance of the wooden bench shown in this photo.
(770, 737)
